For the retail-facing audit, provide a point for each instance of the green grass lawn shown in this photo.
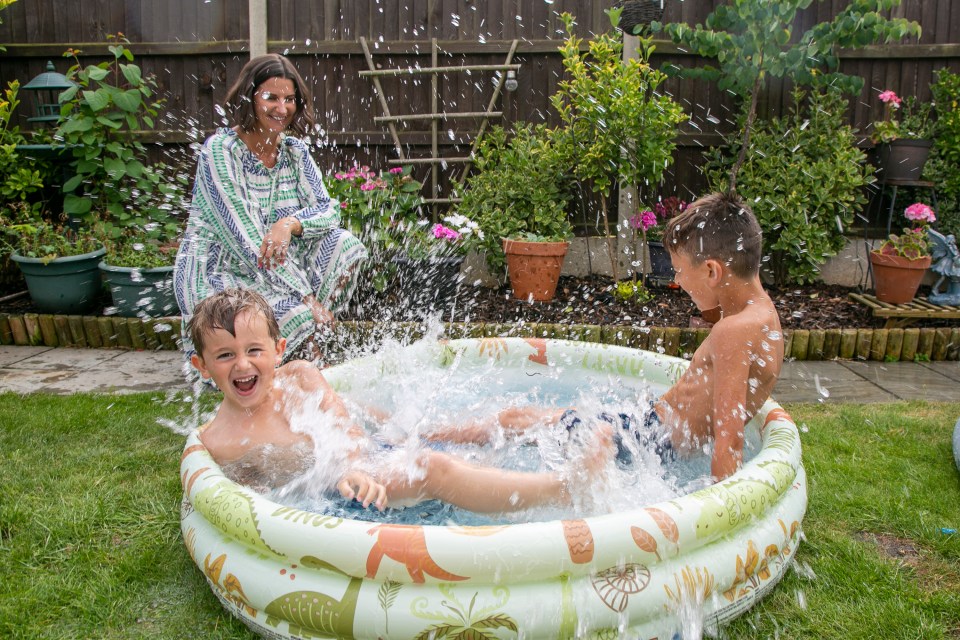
(90, 541)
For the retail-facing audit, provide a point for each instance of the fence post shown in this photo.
(258, 27)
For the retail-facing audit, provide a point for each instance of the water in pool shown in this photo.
(404, 403)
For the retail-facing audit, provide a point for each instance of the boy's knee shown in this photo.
(437, 467)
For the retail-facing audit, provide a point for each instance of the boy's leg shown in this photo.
(490, 489)
(512, 421)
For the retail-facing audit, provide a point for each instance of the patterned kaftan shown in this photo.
(235, 201)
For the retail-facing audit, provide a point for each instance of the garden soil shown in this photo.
(590, 301)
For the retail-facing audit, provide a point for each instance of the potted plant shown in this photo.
(618, 128)
(903, 137)
(518, 200)
(900, 263)
(650, 223)
(429, 269)
(58, 262)
(138, 269)
(378, 208)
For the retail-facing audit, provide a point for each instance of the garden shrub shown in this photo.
(804, 178)
(943, 167)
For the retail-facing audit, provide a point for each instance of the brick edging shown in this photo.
(888, 345)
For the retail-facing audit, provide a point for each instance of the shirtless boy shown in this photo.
(238, 346)
(715, 247)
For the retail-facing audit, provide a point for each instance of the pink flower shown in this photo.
(920, 212)
(368, 186)
(890, 97)
(444, 233)
(396, 170)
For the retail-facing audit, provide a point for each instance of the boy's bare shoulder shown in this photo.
(302, 374)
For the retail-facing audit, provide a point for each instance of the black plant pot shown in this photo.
(427, 284)
(902, 159)
(639, 13)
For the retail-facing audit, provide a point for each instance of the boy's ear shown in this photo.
(715, 271)
(197, 363)
(281, 347)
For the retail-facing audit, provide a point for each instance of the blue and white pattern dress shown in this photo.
(236, 199)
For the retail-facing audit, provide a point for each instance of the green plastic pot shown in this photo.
(68, 285)
(144, 293)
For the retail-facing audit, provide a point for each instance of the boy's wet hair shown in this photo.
(220, 311)
(239, 101)
(719, 226)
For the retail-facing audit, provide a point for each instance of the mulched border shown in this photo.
(885, 345)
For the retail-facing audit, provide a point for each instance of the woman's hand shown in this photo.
(321, 315)
(273, 251)
(360, 486)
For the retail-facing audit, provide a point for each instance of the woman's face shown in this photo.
(275, 104)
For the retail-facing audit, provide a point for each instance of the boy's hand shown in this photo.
(364, 489)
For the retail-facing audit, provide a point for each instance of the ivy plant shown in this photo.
(100, 117)
(943, 167)
(753, 40)
(617, 129)
(804, 179)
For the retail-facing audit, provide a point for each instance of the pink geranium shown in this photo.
(920, 212)
(643, 220)
(889, 97)
(444, 233)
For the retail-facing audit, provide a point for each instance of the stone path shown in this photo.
(65, 371)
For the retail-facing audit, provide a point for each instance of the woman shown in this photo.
(261, 217)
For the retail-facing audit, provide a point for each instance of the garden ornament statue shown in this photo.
(946, 262)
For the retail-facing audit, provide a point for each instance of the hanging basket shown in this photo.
(638, 13)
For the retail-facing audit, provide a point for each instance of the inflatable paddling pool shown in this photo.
(292, 573)
(956, 444)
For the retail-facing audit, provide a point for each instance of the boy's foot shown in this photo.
(622, 425)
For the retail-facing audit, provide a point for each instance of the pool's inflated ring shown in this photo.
(287, 572)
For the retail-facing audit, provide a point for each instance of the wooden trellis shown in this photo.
(436, 116)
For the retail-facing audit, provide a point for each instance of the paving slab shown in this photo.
(907, 380)
(11, 355)
(948, 369)
(30, 380)
(826, 381)
(65, 358)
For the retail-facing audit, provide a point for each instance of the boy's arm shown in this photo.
(731, 373)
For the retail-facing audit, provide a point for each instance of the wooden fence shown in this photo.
(195, 48)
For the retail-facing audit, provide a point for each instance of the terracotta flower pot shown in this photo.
(896, 278)
(534, 268)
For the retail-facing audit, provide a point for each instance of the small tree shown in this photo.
(753, 40)
(617, 128)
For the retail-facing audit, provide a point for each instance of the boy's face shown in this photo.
(695, 279)
(242, 366)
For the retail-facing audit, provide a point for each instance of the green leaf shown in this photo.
(128, 100)
(72, 184)
(98, 99)
(96, 73)
(115, 168)
(132, 73)
(76, 205)
(107, 122)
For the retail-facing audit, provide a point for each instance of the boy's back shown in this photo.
(715, 249)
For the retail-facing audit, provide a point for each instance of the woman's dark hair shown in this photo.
(239, 102)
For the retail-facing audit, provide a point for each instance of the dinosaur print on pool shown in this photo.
(312, 614)
(407, 544)
(729, 504)
(231, 510)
